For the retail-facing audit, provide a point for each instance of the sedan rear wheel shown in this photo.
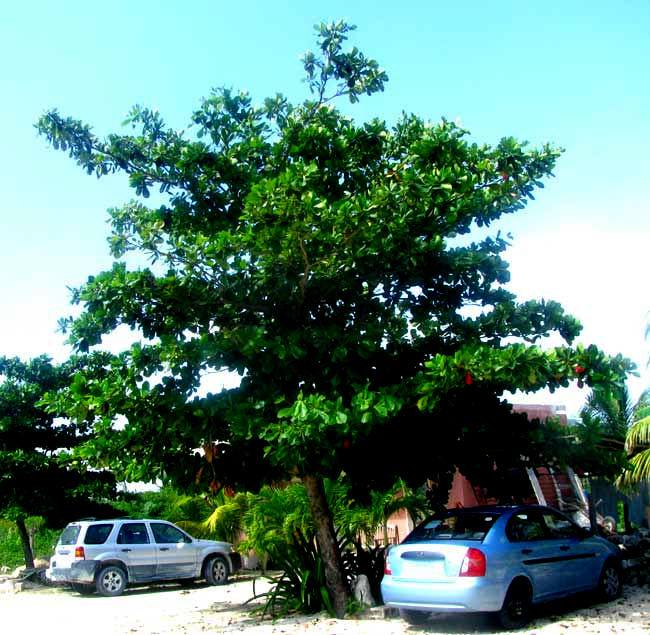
(414, 617)
(517, 607)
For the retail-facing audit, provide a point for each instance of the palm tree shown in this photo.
(637, 443)
(600, 434)
(225, 519)
(611, 411)
(360, 522)
(637, 440)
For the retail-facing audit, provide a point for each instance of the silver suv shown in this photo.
(107, 555)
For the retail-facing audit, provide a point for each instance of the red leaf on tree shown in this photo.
(468, 378)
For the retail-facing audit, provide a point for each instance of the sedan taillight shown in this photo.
(474, 564)
(387, 569)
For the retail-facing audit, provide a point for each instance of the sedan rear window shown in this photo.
(453, 526)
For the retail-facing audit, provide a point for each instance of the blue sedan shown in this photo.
(498, 559)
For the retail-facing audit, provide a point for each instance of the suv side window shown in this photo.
(97, 534)
(163, 533)
(133, 534)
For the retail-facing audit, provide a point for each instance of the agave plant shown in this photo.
(301, 587)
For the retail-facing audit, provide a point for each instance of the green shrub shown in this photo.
(11, 550)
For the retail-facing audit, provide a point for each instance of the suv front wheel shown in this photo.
(216, 570)
(111, 581)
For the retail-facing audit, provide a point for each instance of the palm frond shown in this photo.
(226, 521)
(637, 443)
(193, 527)
(638, 436)
(416, 506)
(609, 409)
(637, 473)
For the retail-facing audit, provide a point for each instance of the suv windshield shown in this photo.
(69, 535)
(454, 526)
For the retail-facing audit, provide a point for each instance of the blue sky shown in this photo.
(574, 73)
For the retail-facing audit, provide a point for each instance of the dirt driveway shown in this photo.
(202, 608)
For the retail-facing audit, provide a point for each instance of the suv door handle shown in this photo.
(164, 548)
(526, 551)
(126, 550)
(564, 548)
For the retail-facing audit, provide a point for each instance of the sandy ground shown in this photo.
(202, 608)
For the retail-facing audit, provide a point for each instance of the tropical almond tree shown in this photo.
(320, 259)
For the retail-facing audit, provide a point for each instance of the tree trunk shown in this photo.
(329, 548)
(24, 539)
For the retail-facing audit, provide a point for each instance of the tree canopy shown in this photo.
(33, 481)
(327, 262)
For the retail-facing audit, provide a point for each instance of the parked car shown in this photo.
(108, 555)
(498, 559)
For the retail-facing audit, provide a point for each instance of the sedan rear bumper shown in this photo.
(458, 595)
